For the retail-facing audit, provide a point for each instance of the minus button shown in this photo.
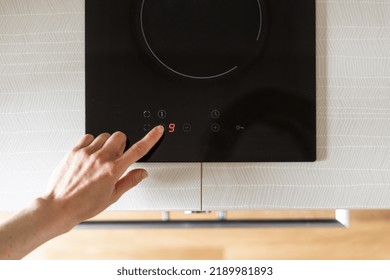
(187, 127)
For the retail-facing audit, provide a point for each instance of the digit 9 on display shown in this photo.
(171, 127)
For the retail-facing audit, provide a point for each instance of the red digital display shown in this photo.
(171, 127)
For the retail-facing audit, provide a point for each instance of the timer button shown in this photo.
(215, 114)
(187, 127)
(147, 114)
(215, 127)
(162, 114)
(147, 127)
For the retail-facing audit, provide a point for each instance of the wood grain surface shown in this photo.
(367, 238)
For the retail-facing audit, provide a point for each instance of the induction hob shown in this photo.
(231, 80)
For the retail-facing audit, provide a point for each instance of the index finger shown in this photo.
(142, 147)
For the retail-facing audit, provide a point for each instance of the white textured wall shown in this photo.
(42, 115)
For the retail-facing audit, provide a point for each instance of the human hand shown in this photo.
(89, 179)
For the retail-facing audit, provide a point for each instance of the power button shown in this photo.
(162, 114)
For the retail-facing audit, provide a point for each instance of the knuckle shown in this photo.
(84, 153)
(137, 179)
(133, 182)
(93, 158)
(103, 163)
(139, 149)
(110, 168)
(98, 158)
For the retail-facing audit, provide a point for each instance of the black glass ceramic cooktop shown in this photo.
(231, 80)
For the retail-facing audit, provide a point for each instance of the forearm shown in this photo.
(30, 228)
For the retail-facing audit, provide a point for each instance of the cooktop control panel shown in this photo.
(230, 80)
(173, 127)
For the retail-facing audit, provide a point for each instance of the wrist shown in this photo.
(31, 227)
(51, 216)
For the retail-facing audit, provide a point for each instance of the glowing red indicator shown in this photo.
(171, 127)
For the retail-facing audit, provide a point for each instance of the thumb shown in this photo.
(130, 180)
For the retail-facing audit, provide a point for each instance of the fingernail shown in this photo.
(160, 128)
(144, 174)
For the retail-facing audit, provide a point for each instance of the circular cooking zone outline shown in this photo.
(183, 74)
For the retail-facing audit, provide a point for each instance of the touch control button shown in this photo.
(215, 127)
(187, 127)
(147, 127)
(215, 114)
(163, 124)
(147, 114)
(162, 114)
